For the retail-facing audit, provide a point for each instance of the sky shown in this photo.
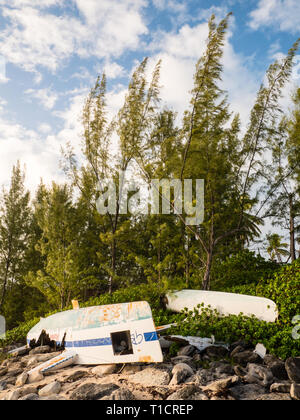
(51, 52)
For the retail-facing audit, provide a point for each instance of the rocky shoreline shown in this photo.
(237, 373)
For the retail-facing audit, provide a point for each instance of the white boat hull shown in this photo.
(225, 303)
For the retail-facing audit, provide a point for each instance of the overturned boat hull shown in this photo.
(119, 333)
(225, 303)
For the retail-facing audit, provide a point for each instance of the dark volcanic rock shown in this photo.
(246, 357)
(93, 391)
(216, 352)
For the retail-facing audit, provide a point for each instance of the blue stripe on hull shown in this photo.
(106, 341)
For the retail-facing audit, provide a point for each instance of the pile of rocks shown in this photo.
(215, 374)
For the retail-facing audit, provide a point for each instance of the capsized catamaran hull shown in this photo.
(225, 303)
(119, 333)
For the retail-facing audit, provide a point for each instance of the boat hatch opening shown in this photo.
(121, 343)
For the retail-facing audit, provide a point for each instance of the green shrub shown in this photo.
(204, 322)
(243, 268)
(283, 287)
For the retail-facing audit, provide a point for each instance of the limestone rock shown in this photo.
(22, 379)
(180, 373)
(121, 395)
(104, 370)
(29, 397)
(151, 377)
(292, 366)
(187, 392)
(13, 395)
(273, 397)
(76, 376)
(247, 392)
(295, 391)
(50, 389)
(35, 376)
(3, 371)
(221, 385)
(260, 375)
(131, 369)
(3, 385)
(283, 387)
(186, 351)
(92, 391)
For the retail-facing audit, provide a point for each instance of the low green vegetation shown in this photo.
(282, 287)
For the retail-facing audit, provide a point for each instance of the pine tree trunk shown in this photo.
(113, 266)
(4, 286)
(292, 231)
(206, 279)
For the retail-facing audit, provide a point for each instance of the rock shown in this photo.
(203, 377)
(279, 371)
(130, 369)
(26, 390)
(283, 388)
(180, 373)
(40, 350)
(186, 393)
(104, 370)
(260, 375)
(29, 397)
(241, 344)
(14, 372)
(35, 376)
(74, 377)
(121, 395)
(151, 377)
(237, 349)
(184, 359)
(40, 358)
(239, 371)
(50, 389)
(277, 367)
(221, 385)
(273, 397)
(245, 357)
(224, 369)
(22, 379)
(13, 396)
(52, 397)
(216, 352)
(292, 366)
(3, 371)
(20, 352)
(197, 357)
(3, 385)
(92, 391)
(247, 392)
(295, 391)
(187, 351)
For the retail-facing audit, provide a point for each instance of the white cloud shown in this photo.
(40, 156)
(46, 96)
(180, 51)
(114, 70)
(35, 37)
(44, 128)
(35, 3)
(280, 14)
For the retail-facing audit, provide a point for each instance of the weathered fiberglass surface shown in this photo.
(96, 316)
